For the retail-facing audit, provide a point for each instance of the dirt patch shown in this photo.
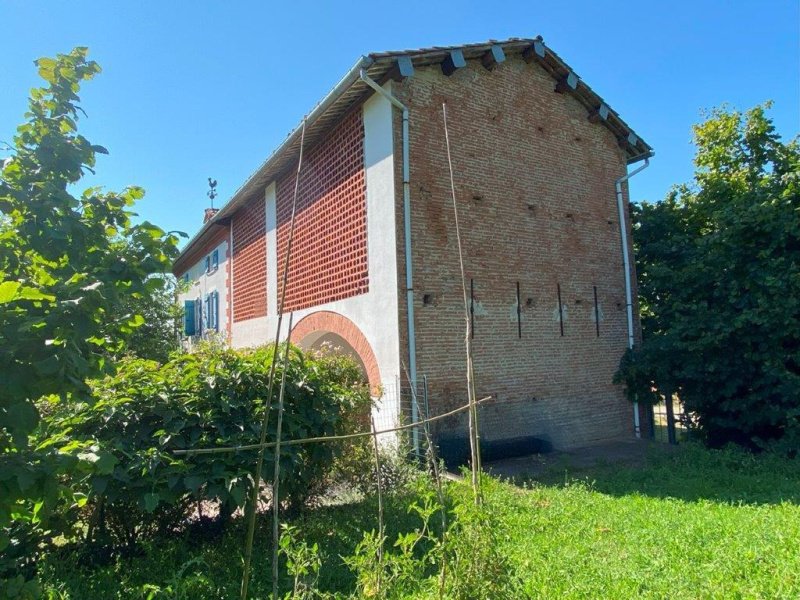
(626, 452)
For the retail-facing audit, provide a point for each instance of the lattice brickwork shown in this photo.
(249, 261)
(329, 252)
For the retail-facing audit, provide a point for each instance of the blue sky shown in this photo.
(197, 89)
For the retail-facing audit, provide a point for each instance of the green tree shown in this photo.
(719, 282)
(69, 262)
(159, 335)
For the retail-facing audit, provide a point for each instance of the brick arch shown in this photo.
(325, 321)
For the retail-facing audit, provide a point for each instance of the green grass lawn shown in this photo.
(690, 524)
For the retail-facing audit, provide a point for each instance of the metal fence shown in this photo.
(402, 404)
(670, 423)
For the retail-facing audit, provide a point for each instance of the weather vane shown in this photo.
(212, 190)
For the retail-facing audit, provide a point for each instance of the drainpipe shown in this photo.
(626, 265)
(412, 352)
(230, 283)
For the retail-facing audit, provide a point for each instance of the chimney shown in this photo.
(209, 214)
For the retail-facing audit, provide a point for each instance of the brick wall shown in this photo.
(535, 190)
(329, 251)
(249, 261)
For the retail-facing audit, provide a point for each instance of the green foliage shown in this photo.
(398, 570)
(159, 334)
(354, 467)
(20, 587)
(303, 562)
(209, 398)
(689, 523)
(479, 569)
(719, 280)
(465, 562)
(187, 583)
(67, 264)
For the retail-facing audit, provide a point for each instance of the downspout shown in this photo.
(626, 265)
(412, 352)
(230, 284)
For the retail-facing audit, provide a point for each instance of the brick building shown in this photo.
(538, 157)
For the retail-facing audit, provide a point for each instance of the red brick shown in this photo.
(249, 261)
(535, 192)
(329, 247)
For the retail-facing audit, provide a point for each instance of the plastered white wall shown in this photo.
(375, 312)
(202, 283)
(251, 332)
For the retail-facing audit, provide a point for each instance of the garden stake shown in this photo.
(327, 438)
(380, 503)
(478, 459)
(473, 413)
(251, 524)
(276, 477)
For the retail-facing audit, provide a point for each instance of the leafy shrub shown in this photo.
(465, 562)
(718, 263)
(478, 569)
(355, 467)
(399, 570)
(303, 563)
(210, 398)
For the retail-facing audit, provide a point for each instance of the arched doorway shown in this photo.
(329, 328)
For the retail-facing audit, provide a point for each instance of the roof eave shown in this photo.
(253, 181)
(635, 148)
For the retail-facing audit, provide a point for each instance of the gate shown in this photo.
(670, 423)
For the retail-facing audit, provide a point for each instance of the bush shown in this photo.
(463, 561)
(210, 398)
(355, 468)
(479, 570)
(718, 263)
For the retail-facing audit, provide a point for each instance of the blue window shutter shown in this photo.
(208, 264)
(215, 259)
(216, 311)
(188, 317)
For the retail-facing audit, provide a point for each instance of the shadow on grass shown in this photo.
(687, 472)
(210, 566)
(339, 529)
(190, 566)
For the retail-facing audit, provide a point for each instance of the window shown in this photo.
(212, 261)
(215, 310)
(211, 311)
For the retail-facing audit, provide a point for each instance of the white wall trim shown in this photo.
(375, 313)
(270, 201)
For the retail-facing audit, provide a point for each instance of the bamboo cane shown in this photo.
(327, 438)
(276, 477)
(251, 524)
(380, 503)
(473, 414)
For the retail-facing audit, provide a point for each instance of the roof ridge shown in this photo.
(350, 89)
